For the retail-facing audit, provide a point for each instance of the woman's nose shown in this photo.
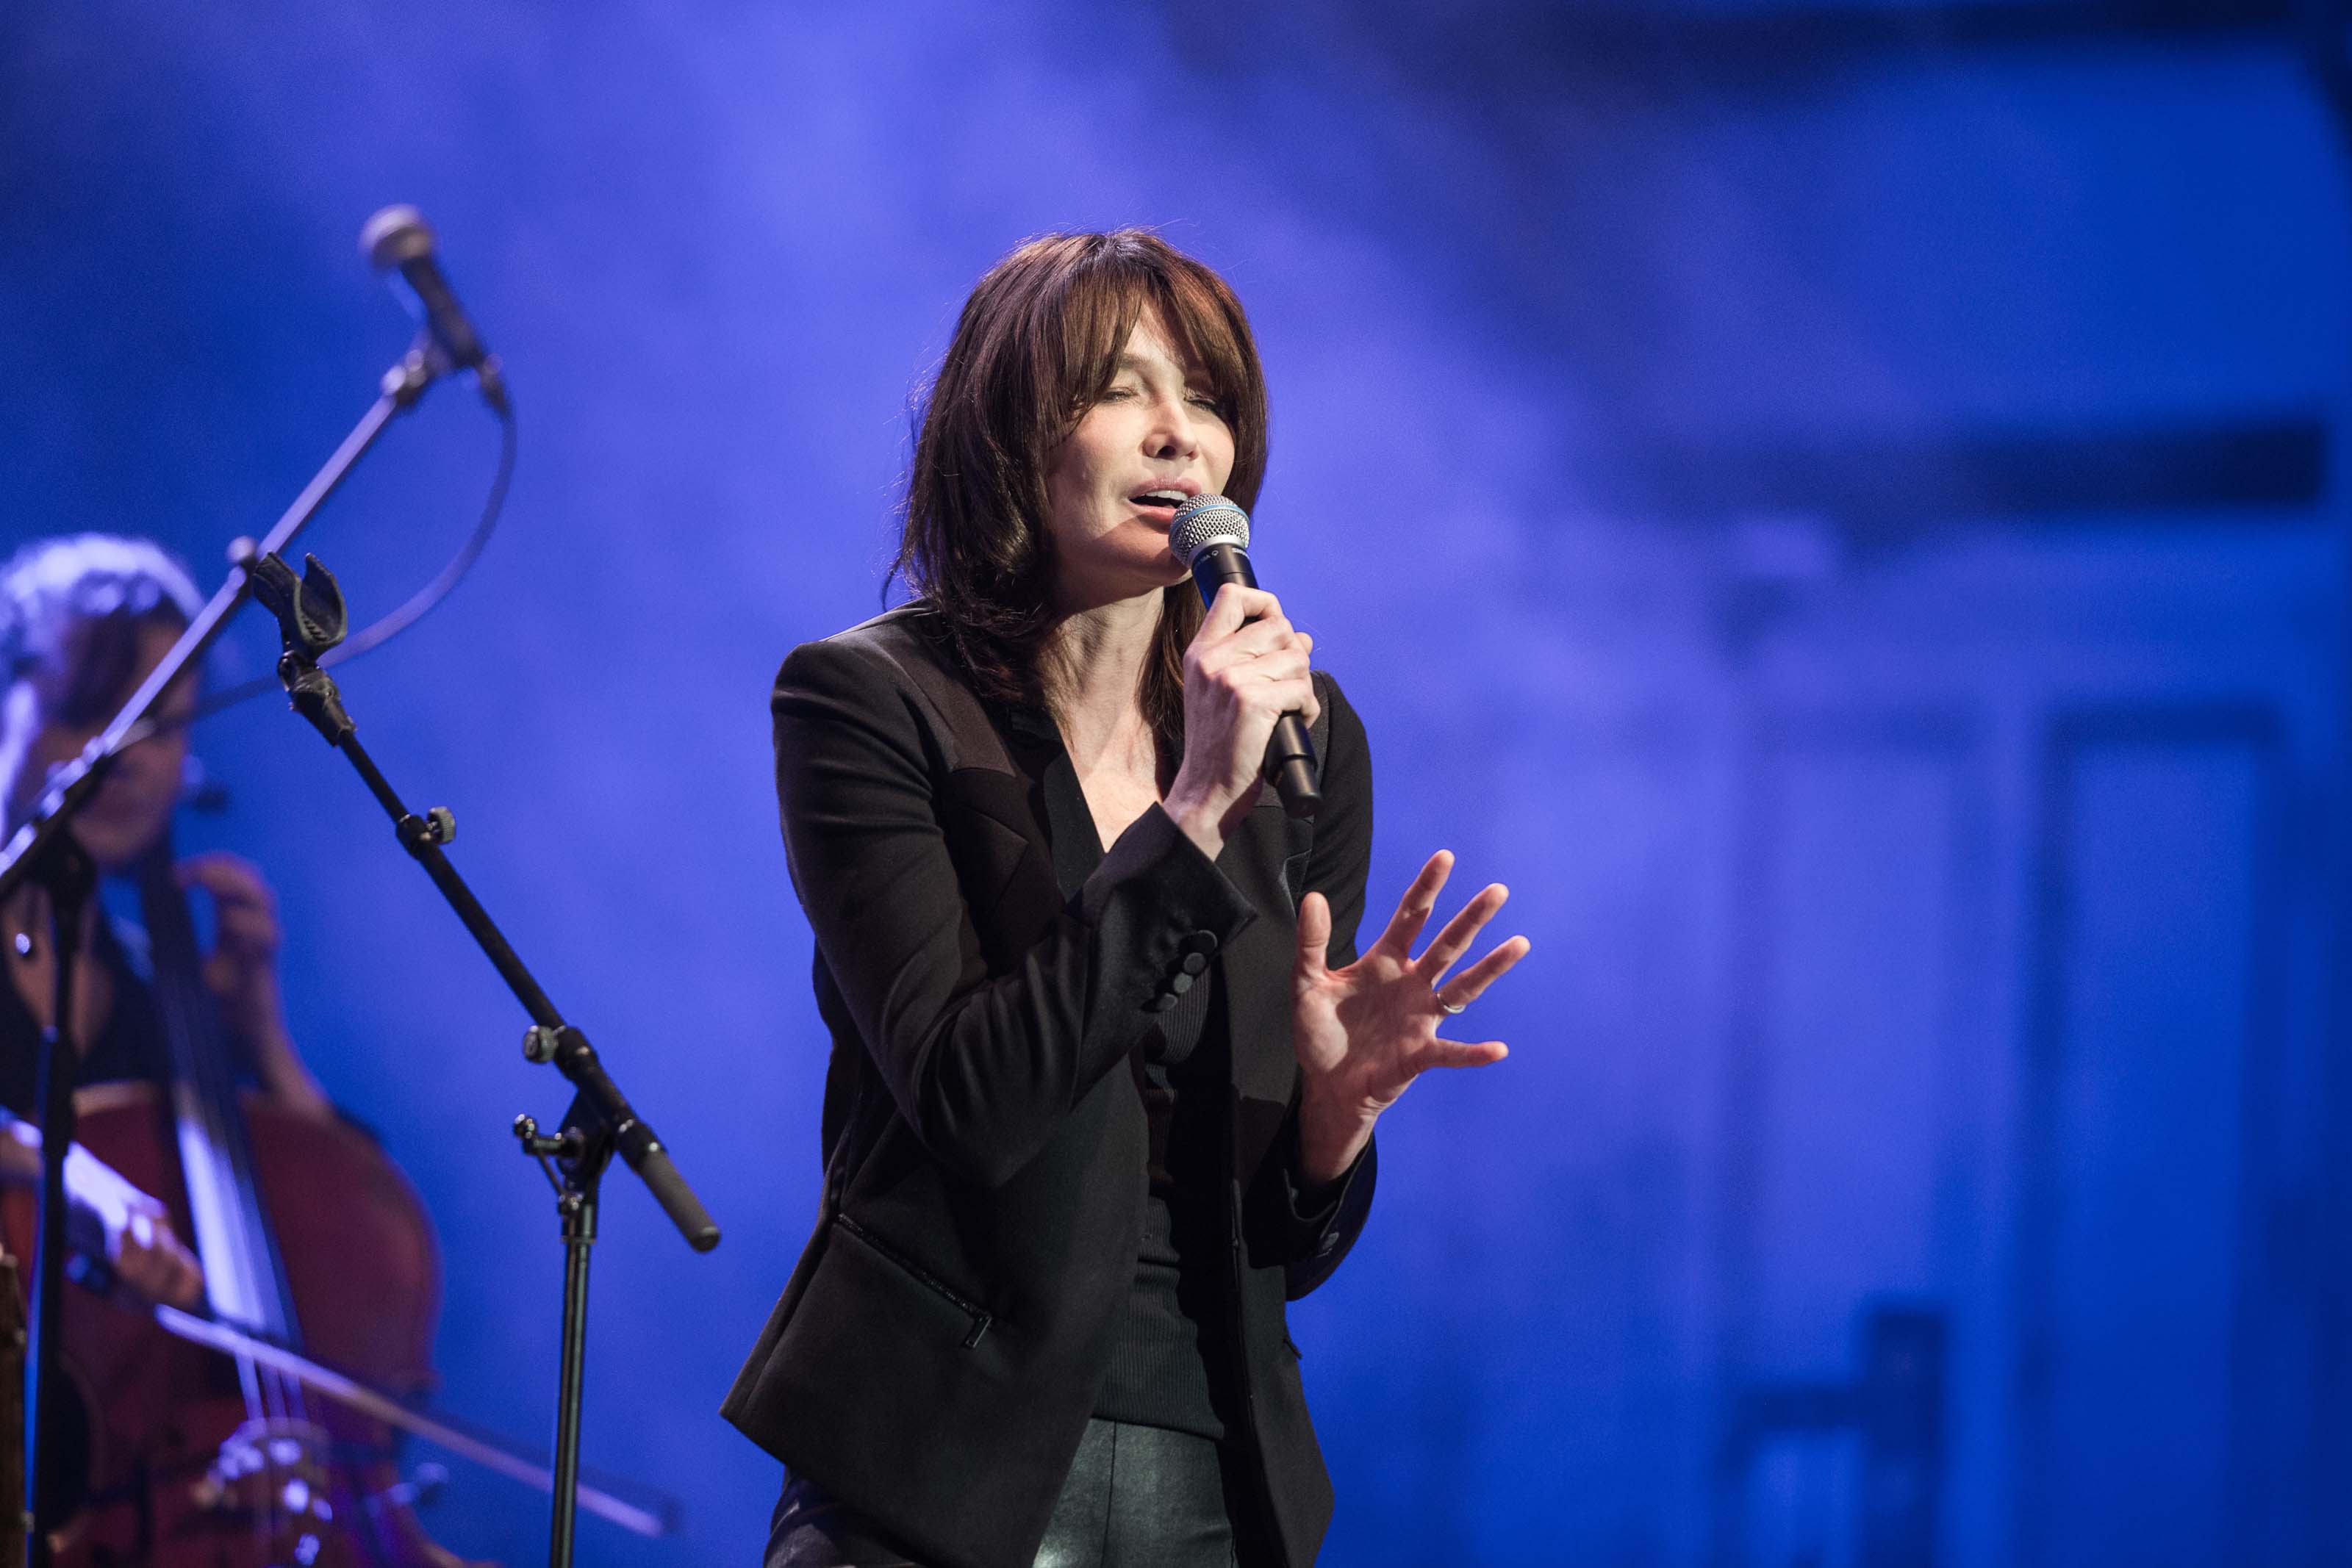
(1173, 431)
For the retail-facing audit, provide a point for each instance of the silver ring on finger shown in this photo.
(1452, 1009)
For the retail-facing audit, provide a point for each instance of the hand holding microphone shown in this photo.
(1248, 692)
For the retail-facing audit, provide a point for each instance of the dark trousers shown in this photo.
(1137, 1496)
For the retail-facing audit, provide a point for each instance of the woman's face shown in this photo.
(133, 805)
(1113, 487)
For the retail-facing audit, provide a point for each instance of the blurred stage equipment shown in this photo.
(43, 850)
(1213, 536)
(1894, 1412)
(12, 1408)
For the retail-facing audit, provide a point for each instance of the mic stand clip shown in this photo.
(574, 1161)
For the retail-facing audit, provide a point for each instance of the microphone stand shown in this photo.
(44, 852)
(600, 1123)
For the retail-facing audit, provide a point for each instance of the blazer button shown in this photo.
(1179, 984)
(1161, 1003)
(1195, 962)
(1201, 942)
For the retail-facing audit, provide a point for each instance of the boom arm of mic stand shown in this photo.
(599, 1102)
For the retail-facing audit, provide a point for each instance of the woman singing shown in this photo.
(1105, 1060)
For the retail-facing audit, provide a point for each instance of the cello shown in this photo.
(311, 1239)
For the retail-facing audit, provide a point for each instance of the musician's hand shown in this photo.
(1365, 1033)
(107, 1217)
(241, 972)
(133, 1230)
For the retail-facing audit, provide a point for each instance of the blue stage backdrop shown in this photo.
(1836, 506)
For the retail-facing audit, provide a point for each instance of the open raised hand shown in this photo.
(1365, 1033)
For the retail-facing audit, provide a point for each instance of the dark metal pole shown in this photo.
(68, 877)
(574, 1161)
(578, 1208)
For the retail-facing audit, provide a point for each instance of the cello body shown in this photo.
(178, 1471)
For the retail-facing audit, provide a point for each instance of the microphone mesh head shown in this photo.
(394, 235)
(1206, 520)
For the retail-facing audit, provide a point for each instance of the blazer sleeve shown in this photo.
(1325, 1222)
(984, 1068)
(1342, 856)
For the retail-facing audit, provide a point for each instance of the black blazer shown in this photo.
(934, 1357)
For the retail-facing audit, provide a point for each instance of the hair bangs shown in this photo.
(1102, 298)
(1038, 344)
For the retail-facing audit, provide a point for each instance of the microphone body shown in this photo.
(398, 239)
(1211, 535)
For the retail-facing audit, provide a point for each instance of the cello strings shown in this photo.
(238, 1238)
(218, 1174)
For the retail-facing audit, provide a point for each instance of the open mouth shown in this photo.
(1160, 503)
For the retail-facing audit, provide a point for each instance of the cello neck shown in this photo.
(243, 1277)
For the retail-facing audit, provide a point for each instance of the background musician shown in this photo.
(83, 620)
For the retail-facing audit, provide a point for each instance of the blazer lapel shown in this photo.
(1041, 837)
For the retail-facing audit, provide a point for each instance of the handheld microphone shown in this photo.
(1211, 535)
(398, 238)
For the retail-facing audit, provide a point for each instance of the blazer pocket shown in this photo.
(978, 1316)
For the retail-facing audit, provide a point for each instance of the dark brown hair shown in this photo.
(1038, 345)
